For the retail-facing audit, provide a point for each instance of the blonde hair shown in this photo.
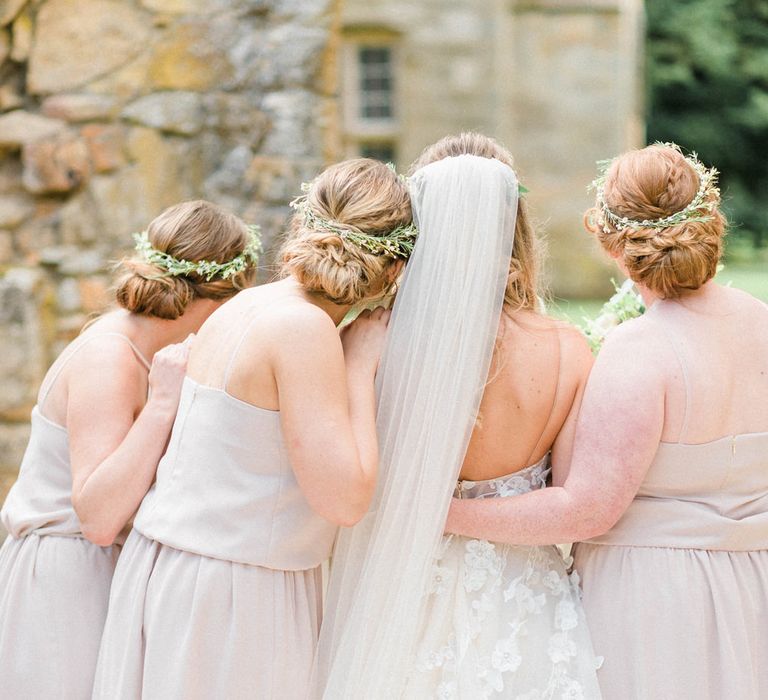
(653, 183)
(522, 290)
(360, 195)
(194, 231)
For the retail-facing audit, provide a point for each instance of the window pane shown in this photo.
(376, 82)
(384, 151)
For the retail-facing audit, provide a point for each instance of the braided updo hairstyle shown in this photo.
(653, 183)
(360, 195)
(192, 231)
(523, 280)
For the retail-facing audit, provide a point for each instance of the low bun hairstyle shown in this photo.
(360, 195)
(653, 183)
(522, 290)
(193, 231)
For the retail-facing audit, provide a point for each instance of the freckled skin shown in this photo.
(636, 398)
(535, 379)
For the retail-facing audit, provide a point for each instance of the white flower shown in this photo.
(506, 655)
(554, 582)
(573, 691)
(474, 579)
(561, 649)
(441, 577)
(523, 596)
(447, 691)
(480, 554)
(566, 617)
(480, 560)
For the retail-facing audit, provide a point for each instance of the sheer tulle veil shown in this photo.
(430, 382)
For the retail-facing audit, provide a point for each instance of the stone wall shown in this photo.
(111, 110)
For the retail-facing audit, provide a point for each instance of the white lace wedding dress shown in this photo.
(503, 621)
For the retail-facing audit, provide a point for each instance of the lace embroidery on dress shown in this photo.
(511, 608)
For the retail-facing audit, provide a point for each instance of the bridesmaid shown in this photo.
(95, 444)
(668, 483)
(218, 591)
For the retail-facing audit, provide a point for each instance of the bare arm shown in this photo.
(328, 412)
(114, 453)
(578, 361)
(617, 436)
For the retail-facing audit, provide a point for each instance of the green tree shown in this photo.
(707, 79)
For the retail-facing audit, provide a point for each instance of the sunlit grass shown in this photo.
(752, 278)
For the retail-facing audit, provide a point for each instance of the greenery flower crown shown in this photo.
(398, 243)
(207, 269)
(701, 207)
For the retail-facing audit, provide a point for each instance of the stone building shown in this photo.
(557, 81)
(111, 110)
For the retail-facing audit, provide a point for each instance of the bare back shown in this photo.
(539, 369)
(714, 347)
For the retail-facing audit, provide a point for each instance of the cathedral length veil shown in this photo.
(430, 382)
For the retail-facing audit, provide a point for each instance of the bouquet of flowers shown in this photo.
(625, 304)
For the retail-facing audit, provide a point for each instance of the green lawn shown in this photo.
(752, 278)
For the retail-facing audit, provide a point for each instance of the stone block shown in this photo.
(236, 115)
(287, 56)
(5, 45)
(79, 107)
(14, 209)
(35, 235)
(9, 9)
(22, 341)
(83, 262)
(68, 295)
(179, 112)
(106, 146)
(186, 59)
(56, 164)
(78, 222)
(21, 127)
(10, 97)
(79, 40)
(182, 7)
(278, 180)
(21, 37)
(295, 131)
(7, 252)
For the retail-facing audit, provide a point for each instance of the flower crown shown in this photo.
(176, 267)
(398, 243)
(701, 207)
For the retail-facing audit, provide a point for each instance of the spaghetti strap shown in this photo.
(686, 386)
(49, 383)
(233, 356)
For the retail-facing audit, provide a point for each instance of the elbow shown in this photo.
(350, 512)
(350, 508)
(597, 523)
(97, 531)
(103, 536)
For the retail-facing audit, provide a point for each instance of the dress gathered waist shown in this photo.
(679, 524)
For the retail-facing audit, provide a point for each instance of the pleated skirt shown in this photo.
(186, 626)
(53, 602)
(677, 624)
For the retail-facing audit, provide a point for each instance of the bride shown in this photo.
(477, 396)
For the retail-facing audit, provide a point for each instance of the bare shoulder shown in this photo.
(107, 368)
(300, 321)
(637, 350)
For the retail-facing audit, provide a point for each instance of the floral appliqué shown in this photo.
(503, 621)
